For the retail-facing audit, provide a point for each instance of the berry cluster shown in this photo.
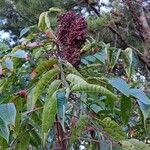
(71, 35)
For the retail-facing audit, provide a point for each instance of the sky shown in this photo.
(4, 35)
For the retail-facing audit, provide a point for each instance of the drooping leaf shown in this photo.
(125, 108)
(74, 79)
(20, 54)
(145, 109)
(139, 144)
(113, 129)
(41, 24)
(71, 69)
(43, 82)
(18, 102)
(4, 131)
(24, 31)
(140, 95)
(35, 138)
(8, 113)
(113, 55)
(91, 58)
(3, 143)
(91, 88)
(80, 127)
(23, 142)
(105, 51)
(61, 102)
(120, 85)
(48, 116)
(134, 144)
(127, 56)
(100, 56)
(30, 100)
(51, 89)
(47, 20)
(45, 65)
(8, 63)
(44, 21)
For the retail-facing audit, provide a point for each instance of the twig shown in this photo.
(82, 138)
(88, 139)
(31, 111)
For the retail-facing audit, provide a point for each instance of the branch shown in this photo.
(61, 135)
(140, 21)
(124, 41)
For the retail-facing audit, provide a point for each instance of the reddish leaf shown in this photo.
(33, 74)
(48, 34)
(22, 93)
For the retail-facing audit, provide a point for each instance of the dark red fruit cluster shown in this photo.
(71, 34)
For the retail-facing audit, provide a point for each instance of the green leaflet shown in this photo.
(8, 113)
(127, 56)
(35, 137)
(125, 108)
(9, 64)
(43, 82)
(120, 85)
(41, 24)
(97, 80)
(71, 69)
(51, 89)
(4, 130)
(145, 109)
(92, 58)
(30, 99)
(45, 65)
(76, 132)
(140, 95)
(134, 144)
(55, 10)
(48, 116)
(44, 22)
(113, 129)
(87, 47)
(61, 103)
(24, 31)
(23, 141)
(18, 103)
(47, 20)
(92, 88)
(75, 79)
(113, 55)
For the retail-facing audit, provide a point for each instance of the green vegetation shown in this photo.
(63, 87)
